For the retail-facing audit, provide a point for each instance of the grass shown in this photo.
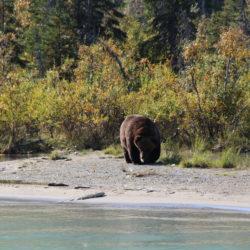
(199, 145)
(56, 155)
(229, 158)
(244, 161)
(198, 156)
(124, 170)
(86, 151)
(143, 174)
(170, 157)
(199, 160)
(170, 154)
(226, 174)
(114, 150)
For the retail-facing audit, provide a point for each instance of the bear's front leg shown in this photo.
(134, 154)
(126, 156)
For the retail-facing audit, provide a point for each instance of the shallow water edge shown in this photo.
(44, 201)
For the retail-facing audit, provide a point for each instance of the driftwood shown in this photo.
(57, 185)
(81, 187)
(91, 196)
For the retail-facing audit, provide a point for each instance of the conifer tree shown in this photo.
(8, 31)
(47, 35)
(233, 13)
(175, 21)
(7, 20)
(95, 18)
(172, 23)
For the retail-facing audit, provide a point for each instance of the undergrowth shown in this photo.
(114, 150)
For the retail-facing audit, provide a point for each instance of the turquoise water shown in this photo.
(76, 226)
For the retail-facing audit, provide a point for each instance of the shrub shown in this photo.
(214, 89)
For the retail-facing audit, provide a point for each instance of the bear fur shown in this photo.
(140, 140)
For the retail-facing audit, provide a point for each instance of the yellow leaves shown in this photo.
(234, 44)
(22, 12)
(97, 66)
(215, 83)
(98, 98)
(13, 104)
(195, 50)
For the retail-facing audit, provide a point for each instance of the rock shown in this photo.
(150, 190)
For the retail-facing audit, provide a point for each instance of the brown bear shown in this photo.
(140, 140)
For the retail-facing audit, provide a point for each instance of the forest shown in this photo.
(72, 70)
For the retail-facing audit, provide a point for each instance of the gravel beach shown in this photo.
(122, 182)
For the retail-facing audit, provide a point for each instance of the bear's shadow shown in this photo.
(154, 164)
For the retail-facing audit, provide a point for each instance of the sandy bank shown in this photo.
(126, 197)
(124, 183)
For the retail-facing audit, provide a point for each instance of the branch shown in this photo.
(113, 54)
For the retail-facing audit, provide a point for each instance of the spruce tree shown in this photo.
(97, 18)
(8, 30)
(175, 23)
(233, 13)
(7, 20)
(172, 22)
(47, 36)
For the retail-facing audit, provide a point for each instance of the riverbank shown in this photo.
(122, 183)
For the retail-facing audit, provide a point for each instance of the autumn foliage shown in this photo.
(62, 89)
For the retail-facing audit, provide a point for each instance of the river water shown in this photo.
(25, 226)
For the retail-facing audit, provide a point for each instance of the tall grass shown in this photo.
(170, 153)
(199, 160)
(114, 150)
(199, 145)
(229, 158)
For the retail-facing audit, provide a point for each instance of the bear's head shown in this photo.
(148, 147)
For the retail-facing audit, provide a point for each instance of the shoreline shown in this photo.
(33, 194)
(123, 184)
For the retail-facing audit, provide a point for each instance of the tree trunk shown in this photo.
(3, 17)
(203, 8)
(244, 18)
